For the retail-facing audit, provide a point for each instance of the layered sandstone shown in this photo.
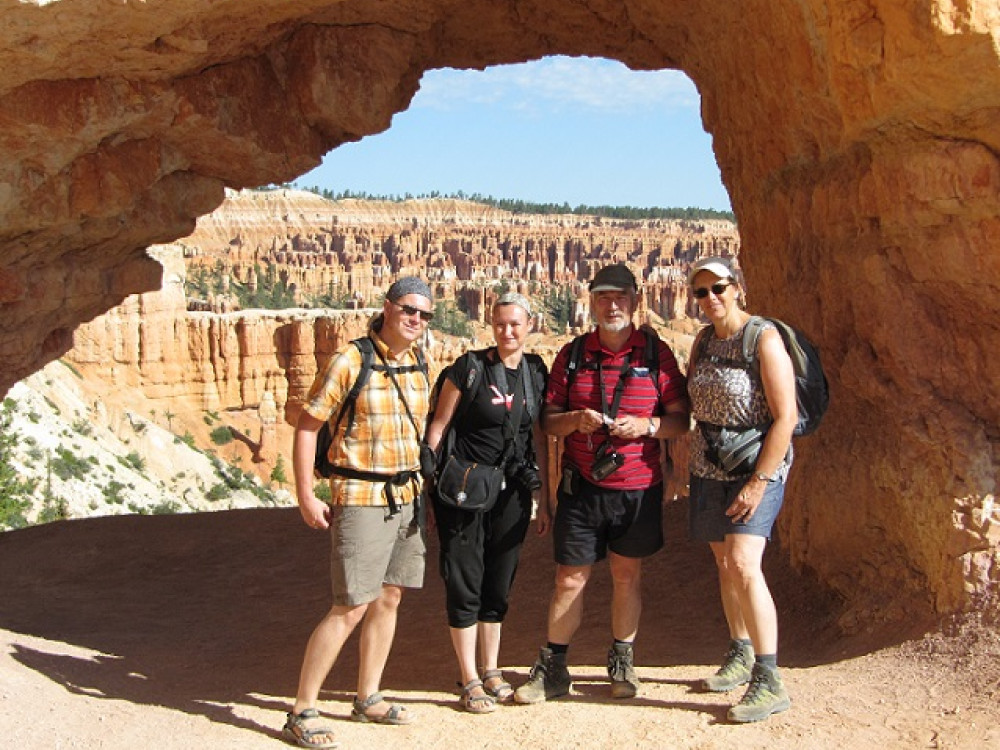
(858, 142)
(211, 361)
(464, 249)
(206, 361)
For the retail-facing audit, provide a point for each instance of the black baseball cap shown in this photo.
(615, 278)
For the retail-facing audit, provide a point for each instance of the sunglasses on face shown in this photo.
(411, 310)
(716, 289)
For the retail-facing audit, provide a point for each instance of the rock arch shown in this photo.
(858, 141)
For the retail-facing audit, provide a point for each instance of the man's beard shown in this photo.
(616, 326)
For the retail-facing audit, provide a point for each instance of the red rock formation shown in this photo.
(858, 142)
(358, 247)
(208, 360)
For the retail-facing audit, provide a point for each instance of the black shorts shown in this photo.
(594, 520)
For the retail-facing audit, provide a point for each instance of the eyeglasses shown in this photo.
(716, 289)
(425, 315)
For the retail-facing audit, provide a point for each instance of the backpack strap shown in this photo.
(650, 353)
(324, 437)
(575, 359)
(751, 337)
(512, 416)
(467, 394)
(366, 346)
(421, 365)
(473, 382)
(529, 389)
(650, 356)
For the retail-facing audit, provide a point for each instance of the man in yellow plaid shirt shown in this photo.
(377, 546)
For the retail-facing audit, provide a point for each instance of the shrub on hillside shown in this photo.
(66, 465)
(221, 435)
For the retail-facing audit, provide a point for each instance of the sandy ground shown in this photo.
(187, 631)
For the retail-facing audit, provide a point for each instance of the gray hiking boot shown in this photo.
(765, 696)
(621, 670)
(549, 679)
(735, 669)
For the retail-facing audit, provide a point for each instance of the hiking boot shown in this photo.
(765, 696)
(549, 679)
(735, 669)
(621, 670)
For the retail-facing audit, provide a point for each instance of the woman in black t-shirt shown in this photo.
(480, 550)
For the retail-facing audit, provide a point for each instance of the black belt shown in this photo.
(399, 479)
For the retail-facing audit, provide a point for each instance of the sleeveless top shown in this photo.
(725, 395)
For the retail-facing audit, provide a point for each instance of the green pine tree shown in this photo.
(15, 493)
(278, 474)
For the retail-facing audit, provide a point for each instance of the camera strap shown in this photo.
(399, 390)
(616, 399)
(512, 416)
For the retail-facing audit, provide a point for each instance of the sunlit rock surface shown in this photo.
(858, 142)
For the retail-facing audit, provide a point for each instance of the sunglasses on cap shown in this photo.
(411, 310)
(716, 289)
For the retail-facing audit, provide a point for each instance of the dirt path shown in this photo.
(187, 631)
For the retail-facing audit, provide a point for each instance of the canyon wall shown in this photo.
(196, 358)
(858, 142)
(352, 250)
(210, 361)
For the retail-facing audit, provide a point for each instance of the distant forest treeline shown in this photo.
(527, 207)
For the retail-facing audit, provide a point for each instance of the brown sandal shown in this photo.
(297, 731)
(395, 715)
(476, 704)
(502, 691)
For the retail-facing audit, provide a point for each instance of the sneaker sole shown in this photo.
(777, 709)
(622, 690)
(724, 687)
(521, 700)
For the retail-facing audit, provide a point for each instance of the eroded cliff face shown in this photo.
(858, 142)
(353, 249)
(211, 361)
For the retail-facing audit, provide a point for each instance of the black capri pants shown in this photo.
(479, 556)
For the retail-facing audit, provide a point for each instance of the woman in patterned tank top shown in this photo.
(735, 512)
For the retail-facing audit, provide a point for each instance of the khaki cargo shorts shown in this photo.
(370, 548)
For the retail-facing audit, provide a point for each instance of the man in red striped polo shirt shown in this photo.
(612, 408)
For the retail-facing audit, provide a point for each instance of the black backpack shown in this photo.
(812, 393)
(324, 437)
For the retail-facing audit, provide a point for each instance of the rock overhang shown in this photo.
(858, 143)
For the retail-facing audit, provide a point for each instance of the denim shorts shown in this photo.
(709, 499)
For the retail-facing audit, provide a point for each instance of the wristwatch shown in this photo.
(762, 476)
(651, 429)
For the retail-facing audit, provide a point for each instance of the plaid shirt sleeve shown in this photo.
(331, 385)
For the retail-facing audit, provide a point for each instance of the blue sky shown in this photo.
(573, 130)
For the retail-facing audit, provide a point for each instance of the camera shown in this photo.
(606, 462)
(526, 476)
